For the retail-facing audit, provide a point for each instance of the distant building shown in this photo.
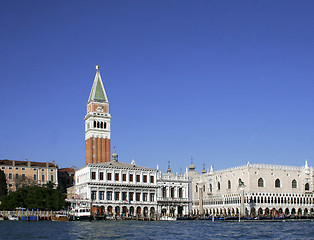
(25, 173)
(253, 189)
(66, 178)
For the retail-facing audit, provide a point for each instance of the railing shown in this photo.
(41, 215)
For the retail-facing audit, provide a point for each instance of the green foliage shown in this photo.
(3, 184)
(34, 197)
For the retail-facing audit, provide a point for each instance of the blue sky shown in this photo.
(225, 82)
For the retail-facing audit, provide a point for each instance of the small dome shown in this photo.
(204, 170)
(192, 167)
(115, 154)
(115, 157)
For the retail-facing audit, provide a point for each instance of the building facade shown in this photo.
(173, 194)
(27, 173)
(254, 189)
(117, 188)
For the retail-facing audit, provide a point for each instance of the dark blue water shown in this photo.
(156, 230)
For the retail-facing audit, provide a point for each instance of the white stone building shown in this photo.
(173, 194)
(117, 188)
(254, 189)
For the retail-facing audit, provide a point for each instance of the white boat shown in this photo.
(81, 213)
(13, 218)
(167, 218)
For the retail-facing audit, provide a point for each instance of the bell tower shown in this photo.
(97, 124)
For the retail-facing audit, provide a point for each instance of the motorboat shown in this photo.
(13, 218)
(81, 213)
(167, 218)
(59, 217)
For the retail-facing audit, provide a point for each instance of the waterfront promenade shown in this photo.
(156, 230)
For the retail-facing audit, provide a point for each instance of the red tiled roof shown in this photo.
(66, 170)
(25, 163)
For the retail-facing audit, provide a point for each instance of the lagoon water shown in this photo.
(156, 230)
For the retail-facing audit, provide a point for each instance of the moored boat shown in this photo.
(13, 218)
(167, 218)
(81, 214)
(59, 218)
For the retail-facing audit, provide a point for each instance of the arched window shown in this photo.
(218, 186)
(101, 125)
(229, 184)
(294, 183)
(97, 124)
(277, 183)
(260, 182)
(210, 188)
(307, 187)
(94, 124)
(105, 125)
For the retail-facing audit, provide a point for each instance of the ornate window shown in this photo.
(101, 176)
(101, 195)
(294, 183)
(229, 184)
(307, 187)
(260, 182)
(108, 176)
(277, 183)
(210, 188)
(93, 195)
(218, 186)
(164, 192)
(109, 195)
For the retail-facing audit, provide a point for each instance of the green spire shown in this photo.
(98, 92)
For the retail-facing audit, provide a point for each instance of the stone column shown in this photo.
(200, 187)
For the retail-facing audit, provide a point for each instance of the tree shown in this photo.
(35, 197)
(3, 184)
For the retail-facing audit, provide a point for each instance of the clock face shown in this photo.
(100, 109)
